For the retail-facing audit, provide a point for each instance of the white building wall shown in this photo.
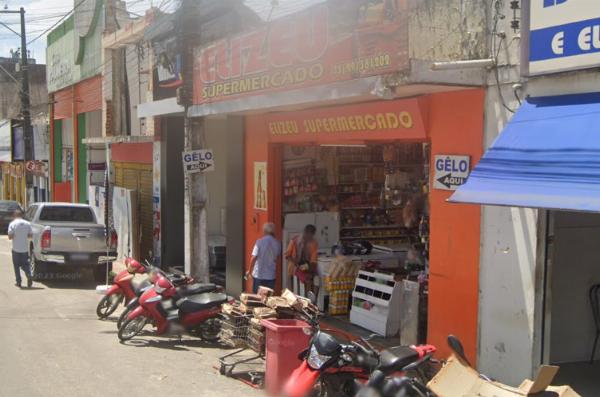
(507, 274)
(512, 245)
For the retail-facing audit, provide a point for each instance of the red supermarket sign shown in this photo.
(323, 44)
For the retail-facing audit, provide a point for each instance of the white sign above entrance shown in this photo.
(198, 161)
(450, 171)
(563, 35)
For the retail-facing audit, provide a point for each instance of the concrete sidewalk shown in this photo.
(54, 345)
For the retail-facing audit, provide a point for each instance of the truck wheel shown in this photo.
(38, 268)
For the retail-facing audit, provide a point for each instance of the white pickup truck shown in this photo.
(68, 235)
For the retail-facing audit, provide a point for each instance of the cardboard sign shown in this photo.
(198, 161)
(456, 379)
(451, 171)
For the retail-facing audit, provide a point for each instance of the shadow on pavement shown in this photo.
(34, 288)
(171, 344)
(69, 284)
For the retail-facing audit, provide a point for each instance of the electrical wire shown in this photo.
(495, 52)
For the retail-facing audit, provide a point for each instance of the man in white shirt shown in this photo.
(263, 265)
(19, 232)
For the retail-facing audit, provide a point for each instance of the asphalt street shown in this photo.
(52, 344)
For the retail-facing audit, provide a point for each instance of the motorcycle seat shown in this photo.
(139, 284)
(172, 315)
(396, 358)
(196, 303)
(196, 288)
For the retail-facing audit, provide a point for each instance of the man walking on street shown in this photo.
(19, 231)
(263, 265)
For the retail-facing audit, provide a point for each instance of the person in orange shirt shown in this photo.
(301, 255)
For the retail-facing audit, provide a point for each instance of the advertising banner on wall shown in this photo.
(326, 43)
(563, 35)
(260, 185)
(5, 141)
(61, 70)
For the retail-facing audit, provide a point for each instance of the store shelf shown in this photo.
(365, 163)
(394, 237)
(373, 227)
(361, 192)
(371, 207)
(359, 183)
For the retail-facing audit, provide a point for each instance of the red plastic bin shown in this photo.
(285, 339)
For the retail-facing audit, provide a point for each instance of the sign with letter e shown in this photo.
(450, 171)
(198, 161)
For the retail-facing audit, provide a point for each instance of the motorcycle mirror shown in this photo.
(312, 297)
(457, 347)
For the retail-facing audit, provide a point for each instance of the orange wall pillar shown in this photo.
(455, 127)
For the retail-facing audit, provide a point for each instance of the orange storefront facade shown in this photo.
(452, 122)
(296, 92)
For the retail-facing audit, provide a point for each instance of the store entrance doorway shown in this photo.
(573, 267)
(369, 206)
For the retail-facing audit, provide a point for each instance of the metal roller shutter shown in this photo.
(138, 177)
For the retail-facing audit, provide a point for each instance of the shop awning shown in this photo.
(548, 156)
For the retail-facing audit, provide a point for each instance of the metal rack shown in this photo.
(238, 332)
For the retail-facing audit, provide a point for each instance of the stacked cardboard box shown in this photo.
(340, 283)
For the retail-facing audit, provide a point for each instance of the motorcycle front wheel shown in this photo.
(107, 305)
(131, 328)
(123, 317)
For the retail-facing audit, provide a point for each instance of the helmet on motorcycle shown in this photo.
(162, 284)
(134, 266)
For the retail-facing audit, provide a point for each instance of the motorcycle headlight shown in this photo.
(315, 359)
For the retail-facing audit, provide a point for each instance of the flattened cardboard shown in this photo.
(456, 379)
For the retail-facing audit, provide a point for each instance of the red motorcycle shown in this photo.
(334, 369)
(196, 314)
(124, 288)
(185, 286)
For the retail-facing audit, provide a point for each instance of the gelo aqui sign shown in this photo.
(198, 161)
(451, 171)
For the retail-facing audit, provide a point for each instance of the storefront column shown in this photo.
(51, 151)
(75, 186)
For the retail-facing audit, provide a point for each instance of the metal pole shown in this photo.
(26, 106)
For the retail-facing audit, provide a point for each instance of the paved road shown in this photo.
(52, 344)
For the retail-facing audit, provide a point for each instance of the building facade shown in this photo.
(12, 152)
(539, 229)
(330, 87)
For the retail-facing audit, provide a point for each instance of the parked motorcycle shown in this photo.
(332, 368)
(382, 385)
(185, 286)
(124, 288)
(196, 314)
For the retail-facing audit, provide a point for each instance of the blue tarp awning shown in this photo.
(548, 156)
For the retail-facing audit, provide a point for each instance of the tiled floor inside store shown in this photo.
(583, 377)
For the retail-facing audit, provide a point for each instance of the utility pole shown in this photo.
(195, 217)
(25, 98)
(26, 106)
